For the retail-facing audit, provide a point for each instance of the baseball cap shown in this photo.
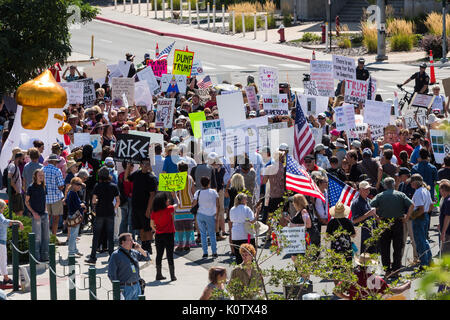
(364, 185)
(403, 170)
(356, 144)
(283, 147)
(109, 160)
(361, 60)
(367, 151)
(423, 65)
(321, 115)
(387, 146)
(319, 147)
(252, 113)
(125, 126)
(122, 110)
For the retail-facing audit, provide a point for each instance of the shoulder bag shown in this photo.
(194, 209)
(136, 264)
(75, 219)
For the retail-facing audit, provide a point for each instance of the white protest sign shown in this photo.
(278, 125)
(125, 100)
(257, 122)
(295, 240)
(279, 136)
(114, 71)
(322, 74)
(344, 68)
(240, 139)
(409, 115)
(231, 108)
(376, 131)
(313, 105)
(377, 113)
(252, 98)
(421, 100)
(120, 86)
(317, 134)
(142, 95)
(213, 136)
(164, 113)
(74, 90)
(124, 67)
(148, 76)
(345, 117)
(268, 80)
(356, 91)
(81, 139)
(310, 88)
(197, 68)
(173, 83)
(441, 145)
(88, 92)
(95, 141)
(275, 104)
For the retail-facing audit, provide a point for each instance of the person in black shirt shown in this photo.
(361, 72)
(144, 190)
(355, 170)
(422, 80)
(444, 172)
(335, 170)
(132, 70)
(103, 196)
(343, 243)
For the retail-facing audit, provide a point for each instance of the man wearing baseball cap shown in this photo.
(361, 72)
(422, 80)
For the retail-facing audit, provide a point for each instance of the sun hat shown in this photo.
(340, 143)
(319, 147)
(365, 260)
(70, 164)
(339, 211)
(335, 132)
(356, 144)
(54, 157)
(364, 185)
(283, 147)
(255, 229)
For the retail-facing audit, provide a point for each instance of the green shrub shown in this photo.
(402, 42)
(344, 42)
(287, 19)
(271, 23)
(356, 39)
(310, 37)
(249, 23)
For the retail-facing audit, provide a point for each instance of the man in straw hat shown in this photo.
(368, 284)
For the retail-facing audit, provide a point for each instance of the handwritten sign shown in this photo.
(81, 138)
(231, 108)
(344, 68)
(142, 95)
(164, 113)
(421, 100)
(88, 92)
(421, 115)
(295, 240)
(148, 76)
(252, 98)
(74, 90)
(159, 67)
(268, 80)
(197, 68)
(345, 117)
(131, 148)
(212, 136)
(182, 62)
(322, 74)
(196, 119)
(124, 67)
(276, 104)
(356, 91)
(377, 113)
(310, 88)
(173, 83)
(172, 182)
(121, 86)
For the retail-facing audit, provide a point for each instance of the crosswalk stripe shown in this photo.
(231, 66)
(291, 65)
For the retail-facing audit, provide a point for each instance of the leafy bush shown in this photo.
(433, 22)
(356, 39)
(434, 43)
(287, 19)
(344, 42)
(271, 23)
(249, 23)
(402, 42)
(310, 37)
(370, 36)
(419, 23)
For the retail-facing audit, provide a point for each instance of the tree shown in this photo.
(34, 34)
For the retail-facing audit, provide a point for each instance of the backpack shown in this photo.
(5, 177)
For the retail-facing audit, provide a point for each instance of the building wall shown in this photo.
(313, 9)
(416, 7)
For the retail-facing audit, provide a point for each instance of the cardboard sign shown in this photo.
(131, 148)
(356, 91)
(74, 90)
(310, 88)
(81, 138)
(276, 104)
(252, 98)
(376, 131)
(377, 113)
(173, 83)
(96, 142)
(88, 92)
(121, 86)
(240, 139)
(197, 68)
(440, 141)
(172, 182)
(322, 74)
(148, 76)
(345, 117)
(164, 113)
(142, 95)
(159, 67)
(196, 119)
(408, 116)
(313, 105)
(446, 85)
(268, 80)
(182, 62)
(231, 108)
(295, 240)
(344, 68)
(213, 136)
(421, 100)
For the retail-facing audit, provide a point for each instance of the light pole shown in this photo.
(444, 33)
(329, 8)
(381, 50)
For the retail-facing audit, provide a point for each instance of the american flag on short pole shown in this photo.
(303, 138)
(164, 54)
(298, 180)
(338, 191)
(205, 83)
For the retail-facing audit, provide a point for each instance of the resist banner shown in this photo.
(182, 62)
(131, 148)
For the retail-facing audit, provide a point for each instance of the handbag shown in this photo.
(194, 209)
(75, 219)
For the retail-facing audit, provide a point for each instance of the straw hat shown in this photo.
(339, 211)
(70, 164)
(365, 260)
(255, 229)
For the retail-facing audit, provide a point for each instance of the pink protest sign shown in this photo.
(159, 67)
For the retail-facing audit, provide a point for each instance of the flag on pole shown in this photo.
(205, 83)
(303, 138)
(338, 191)
(298, 180)
(164, 54)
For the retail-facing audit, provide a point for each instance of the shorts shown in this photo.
(221, 204)
(55, 209)
(139, 220)
(17, 203)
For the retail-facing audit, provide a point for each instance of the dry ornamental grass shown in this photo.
(433, 23)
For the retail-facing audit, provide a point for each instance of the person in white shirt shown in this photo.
(184, 156)
(439, 101)
(180, 130)
(159, 161)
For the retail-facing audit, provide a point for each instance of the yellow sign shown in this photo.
(172, 181)
(182, 62)
(196, 118)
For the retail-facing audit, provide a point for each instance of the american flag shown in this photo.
(164, 54)
(298, 180)
(338, 191)
(205, 83)
(303, 138)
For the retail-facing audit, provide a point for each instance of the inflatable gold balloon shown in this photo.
(36, 97)
(65, 128)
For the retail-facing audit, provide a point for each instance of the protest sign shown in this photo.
(196, 119)
(182, 62)
(197, 68)
(164, 113)
(295, 240)
(173, 83)
(120, 86)
(132, 148)
(409, 115)
(155, 138)
(257, 122)
(148, 76)
(231, 108)
(317, 134)
(142, 95)
(124, 67)
(172, 182)
(159, 67)
(278, 125)
(279, 136)
(322, 74)
(421, 100)
(446, 85)
(377, 113)
(203, 93)
(376, 131)
(440, 141)
(313, 105)
(275, 104)
(356, 91)
(80, 139)
(268, 80)
(252, 98)
(88, 92)
(359, 131)
(344, 68)
(95, 141)
(213, 136)
(241, 139)
(310, 88)
(114, 71)
(345, 117)
(74, 90)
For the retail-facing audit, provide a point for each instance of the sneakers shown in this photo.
(9, 281)
(205, 256)
(90, 261)
(78, 254)
(215, 255)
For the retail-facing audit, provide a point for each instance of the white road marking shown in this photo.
(291, 65)
(232, 66)
(107, 41)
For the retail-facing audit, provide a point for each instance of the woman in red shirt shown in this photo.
(162, 222)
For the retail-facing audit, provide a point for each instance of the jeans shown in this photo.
(164, 241)
(207, 225)
(125, 223)
(103, 224)
(395, 235)
(131, 292)
(420, 236)
(41, 230)
(73, 240)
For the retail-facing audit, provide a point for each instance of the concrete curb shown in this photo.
(221, 44)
